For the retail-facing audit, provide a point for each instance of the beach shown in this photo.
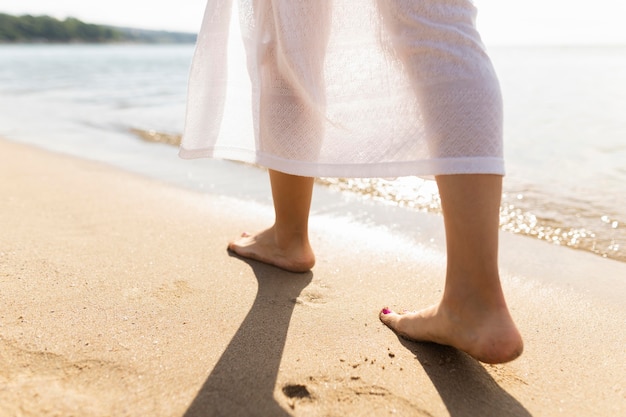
(118, 298)
(565, 182)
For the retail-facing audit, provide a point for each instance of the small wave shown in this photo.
(574, 224)
(157, 137)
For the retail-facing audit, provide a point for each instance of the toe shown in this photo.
(389, 318)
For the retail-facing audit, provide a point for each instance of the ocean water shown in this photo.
(565, 130)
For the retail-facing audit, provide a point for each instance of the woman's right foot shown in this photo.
(490, 338)
(295, 256)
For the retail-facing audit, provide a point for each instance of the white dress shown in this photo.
(345, 88)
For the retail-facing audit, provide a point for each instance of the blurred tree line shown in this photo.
(29, 28)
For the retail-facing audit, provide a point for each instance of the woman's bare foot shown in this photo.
(489, 337)
(295, 254)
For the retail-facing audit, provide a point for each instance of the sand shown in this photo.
(118, 298)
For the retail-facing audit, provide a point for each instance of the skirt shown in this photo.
(338, 88)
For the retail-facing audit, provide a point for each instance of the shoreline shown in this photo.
(119, 298)
(558, 203)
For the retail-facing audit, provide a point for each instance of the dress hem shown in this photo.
(422, 168)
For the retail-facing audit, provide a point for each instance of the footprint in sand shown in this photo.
(32, 380)
(321, 396)
(172, 292)
(312, 295)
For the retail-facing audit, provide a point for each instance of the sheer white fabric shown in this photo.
(344, 88)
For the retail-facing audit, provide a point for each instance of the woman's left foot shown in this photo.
(264, 247)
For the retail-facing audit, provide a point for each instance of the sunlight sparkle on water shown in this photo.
(516, 216)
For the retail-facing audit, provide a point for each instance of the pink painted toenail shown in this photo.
(386, 311)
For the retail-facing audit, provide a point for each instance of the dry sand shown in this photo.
(118, 298)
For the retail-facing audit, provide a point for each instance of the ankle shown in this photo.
(289, 237)
(486, 330)
(466, 300)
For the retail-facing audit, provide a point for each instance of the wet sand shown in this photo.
(118, 297)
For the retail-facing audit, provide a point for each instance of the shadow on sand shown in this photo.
(465, 387)
(242, 382)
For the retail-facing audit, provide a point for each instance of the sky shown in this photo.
(499, 21)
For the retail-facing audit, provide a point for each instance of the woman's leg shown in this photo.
(285, 244)
(472, 314)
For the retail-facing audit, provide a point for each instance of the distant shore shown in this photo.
(47, 29)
